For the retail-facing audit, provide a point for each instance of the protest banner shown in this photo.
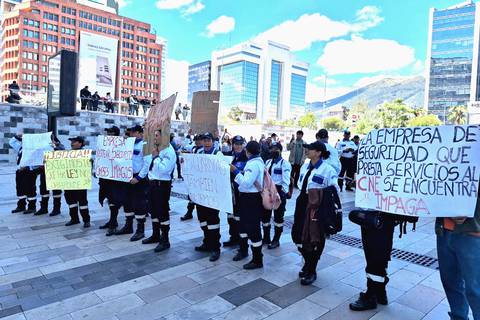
(421, 171)
(205, 111)
(68, 170)
(33, 147)
(113, 158)
(158, 118)
(208, 181)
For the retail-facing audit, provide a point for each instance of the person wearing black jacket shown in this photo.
(95, 100)
(85, 96)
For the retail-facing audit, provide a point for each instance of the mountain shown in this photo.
(410, 90)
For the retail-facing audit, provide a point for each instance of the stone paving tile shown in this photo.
(334, 295)
(398, 311)
(304, 309)
(165, 289)
(156, 309)
(207, 290)
(107, 310)
(290, 294)
(10, 311)
(343, 312)
(248, 292)
(242, 276)
(126, 287)
(202, 311)
(256, 309)
(421, 298)
(213, 273)
(440, 312)
(405, 279)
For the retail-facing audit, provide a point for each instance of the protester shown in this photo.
(145, 106)
(14, 90)
(198, 140)
(297, 155)
(185, 111)
(176, 146)
(109, 103)
(346, 149)
(226, 145)
(307, 234)
(26, 190)
(85, 97)
(178, 111)
(333, 160)
(265, 148)
(132, 105)
(77, 199)
(280, 171)
(250, 183)
(95, 100)
(239, 160)
(161, 164)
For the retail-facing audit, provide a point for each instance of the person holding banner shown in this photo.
(21, 177)
(160, 167)
(198, 140)
(136, 203)
(315, 175)
(209, 218)
(239, 161)
(251, 209)
(346, 149)
(280, 171)
(77, 199)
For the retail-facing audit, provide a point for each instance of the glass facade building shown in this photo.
(451, 58)
(275, 88)
(199, 76)
(297, 93)
(239, 86)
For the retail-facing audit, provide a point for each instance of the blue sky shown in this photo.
(352, 41)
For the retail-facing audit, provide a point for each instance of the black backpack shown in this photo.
(331, 211)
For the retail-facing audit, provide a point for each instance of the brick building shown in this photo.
(34, 30)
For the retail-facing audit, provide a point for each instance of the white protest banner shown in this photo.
(208, 181)
(33, 147)
(421, 171)
(113, 158)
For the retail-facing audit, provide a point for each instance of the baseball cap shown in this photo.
(317, 146)
(238, 140)
(207, 135)
(276, 144)
(137, 128)
(114, 130)
(78, 139)
(346, 131)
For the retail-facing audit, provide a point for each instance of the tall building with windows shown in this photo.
(35, 30)
(452, 58)
(264, 80)
(198, 78)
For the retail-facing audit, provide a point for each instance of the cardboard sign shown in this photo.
(205, 111)
(208, 181)
(113, 158)
(68, 170)
(158, 118)
(33, 147)
(422, 171)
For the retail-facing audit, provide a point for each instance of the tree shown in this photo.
(395, 114)
(333, 123)
(235, 114)
(308, 120)
(369, 121)
(457, 115)
(424, 121)
(357, 112)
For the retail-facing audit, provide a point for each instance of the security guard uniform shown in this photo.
(239, 161)
(135, 204)
(347, 161)
(160, 170)
(280, 171)
(22, 179)
(209, 218)
(191, 204)
(251, 208)
(77, 199)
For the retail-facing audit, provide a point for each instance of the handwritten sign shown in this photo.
(158, 119)
(208, 181)
(113, 159)
(422, 171)
(33, 147)
(205, 111)
(68, 170)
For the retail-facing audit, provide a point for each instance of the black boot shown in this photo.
(257, 259)
(266, 236)
(43, 206)
(276, 238)
(187, 216)
(73, 211)
(381, 292)
(340, 184)
(303, 272)
(155, 234)
(21, 206)
(203, 247)
(127, 228)
(214, 255)
(57, 202)
(233, 231)
(242, 252)
(85, 216)
(32, 206)
(165, 243)
(106, 225)
(140, 232)
(366, 300)
(310, 268)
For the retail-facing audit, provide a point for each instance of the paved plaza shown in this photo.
(49, 271)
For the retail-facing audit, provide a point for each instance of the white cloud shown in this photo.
(221, 25)
(321, 80)
(309, 28)
(315, 93)
(187, 7)
(360, 55)
(176, 75)
(123, 3)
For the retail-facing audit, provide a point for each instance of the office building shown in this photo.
(264, 80)
(35, 30)
(452, 58)
(199, 76)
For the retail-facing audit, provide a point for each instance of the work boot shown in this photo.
(85, 216)
(162, 246)
(202, 248)
(214, 255)
(21, 206)
(276, 238)
(32, 206)
(155, 237)
(242, 252)
(366, 300)
(381, 292)
(73, 211)
(340, 184)
(43, 207)
(111, 231)
(140, 232)
(57, 202)
(231, 242)
(303, 272)
(127, 228)
(310, 273)
(187, 216)
(165, 242)
(266, 236)
(257, 259)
